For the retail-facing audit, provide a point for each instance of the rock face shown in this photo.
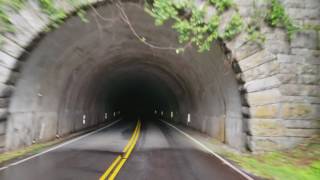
(274, 105)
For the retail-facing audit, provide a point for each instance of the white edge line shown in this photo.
(59, 146)
(209, 150)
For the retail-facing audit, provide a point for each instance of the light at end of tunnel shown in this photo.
(171, 114)
(188, 119)
(84, 119)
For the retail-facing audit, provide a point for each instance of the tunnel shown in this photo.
(82, 74)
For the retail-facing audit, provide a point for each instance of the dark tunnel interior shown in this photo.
(139, 95)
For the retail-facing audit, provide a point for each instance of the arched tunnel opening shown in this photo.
(100, 70)
(139, 95)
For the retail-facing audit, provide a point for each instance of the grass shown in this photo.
(38, 147)
(33, 149)
(300, 163)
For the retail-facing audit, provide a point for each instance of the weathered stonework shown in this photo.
(281, 80)
(293, 111)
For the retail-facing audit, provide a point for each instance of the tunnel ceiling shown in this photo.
(93, 68)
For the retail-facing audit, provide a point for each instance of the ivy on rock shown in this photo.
(190, 21)
(190, 18)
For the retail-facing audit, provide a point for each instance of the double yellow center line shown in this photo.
(117, 164)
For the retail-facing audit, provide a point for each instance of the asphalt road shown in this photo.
(160, 153)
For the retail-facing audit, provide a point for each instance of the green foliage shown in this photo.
(234, 27)
(198, 28)
(15, 4)
(189, 22)
(221, 5)
(254, 35)
(277, 17)
(213, 33)
(81, 14)
(197, 31)
(300, 163)
(163, 10)
(5, 23)
(56, 15)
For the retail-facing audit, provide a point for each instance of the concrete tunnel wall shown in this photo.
(71, 70)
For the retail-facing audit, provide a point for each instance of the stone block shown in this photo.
(263, 97)
(24, 33)
(3, 113)
(278, 46)
(266, 127)
(2, 141)
(11, 48)
(293, 3)
(246, 50)
(303, 124)
(5, 74)
(5, 90)
(309, 79)
(300, 99)
(244, 2)
(305, 52)
(305, 39)
(4, 102)
(285, 58)
(35, 7)
(288, 78)
(33, 19)
(289, 68)
(300, 90)
(298, 111)
(8, 61)
(265, 111)
(262, 84)
(312, 60)
(3, 127)
(273, 143)
(255, 60)
(308, 69)
(262, 71)
(301, 13)
(307, 133)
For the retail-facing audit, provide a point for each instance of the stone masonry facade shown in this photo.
(280, 81)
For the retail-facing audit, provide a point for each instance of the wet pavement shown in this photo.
(161, 153)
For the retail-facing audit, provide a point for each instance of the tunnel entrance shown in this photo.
(85, 70)
(139, 95)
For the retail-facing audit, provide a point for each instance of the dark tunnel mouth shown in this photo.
(139, 96)
(66, 77)
(137, 89)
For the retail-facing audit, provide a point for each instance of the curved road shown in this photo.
(161, 153)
